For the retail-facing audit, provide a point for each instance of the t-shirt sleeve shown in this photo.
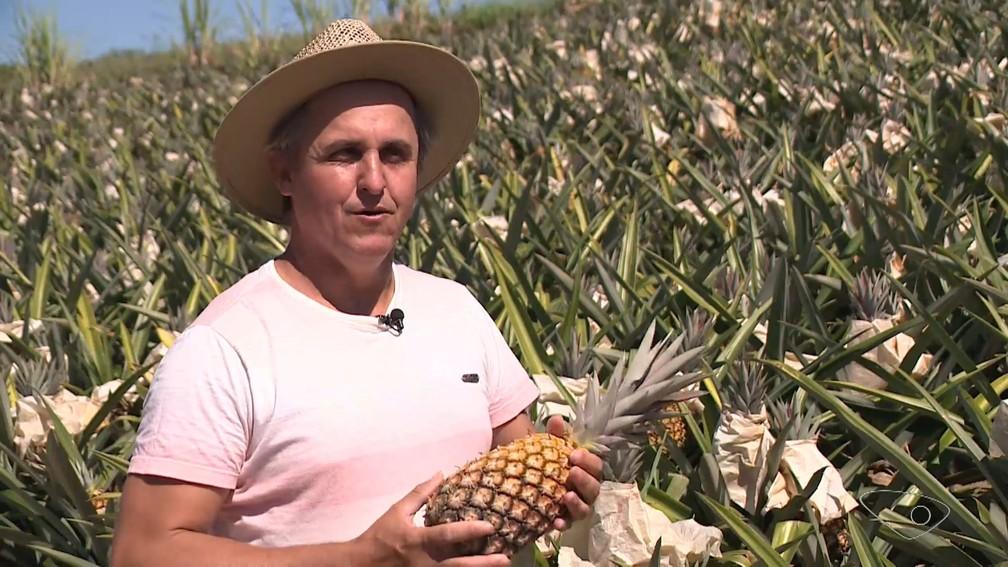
(510, 389)
(195, 424)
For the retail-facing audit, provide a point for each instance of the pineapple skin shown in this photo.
(675, 426)
(517, 487)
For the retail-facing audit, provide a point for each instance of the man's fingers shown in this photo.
(497, 560)
(585, 485)
(417, 497)
(455, 532)
(556, 425)
(589, 462)
(576, 507)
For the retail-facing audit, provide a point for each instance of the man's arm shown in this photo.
(164, 523)
(519, 426)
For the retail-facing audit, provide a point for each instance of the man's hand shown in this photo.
(584, 480)
(394, 540)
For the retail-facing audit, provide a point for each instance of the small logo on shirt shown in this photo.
(470, 378)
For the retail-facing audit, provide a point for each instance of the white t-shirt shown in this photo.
(320, 420)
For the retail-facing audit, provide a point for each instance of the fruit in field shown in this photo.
(676, 428)
(518, 487)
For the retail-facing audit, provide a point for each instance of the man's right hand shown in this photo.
(395, 540)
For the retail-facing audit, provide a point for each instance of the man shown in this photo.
(295, 422)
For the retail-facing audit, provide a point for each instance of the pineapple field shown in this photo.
(810, 196)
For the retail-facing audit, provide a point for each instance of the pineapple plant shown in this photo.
(745, 388)
(873, 297)
(795, 419)
(623, 463)
(799, 420)
(674, 424)
(518, 487)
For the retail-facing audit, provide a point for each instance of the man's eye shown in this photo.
(394, 156)
(343, 155)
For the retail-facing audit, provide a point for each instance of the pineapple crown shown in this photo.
(745, 387)
(872, 296)
(794, 419)
(695, 329)
(623, 463)
(44, 374)
(655, 376)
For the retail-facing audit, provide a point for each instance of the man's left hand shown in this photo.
(584, 480)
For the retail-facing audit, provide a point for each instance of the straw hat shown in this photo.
(347, 50)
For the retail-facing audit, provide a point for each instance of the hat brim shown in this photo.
(440, 84)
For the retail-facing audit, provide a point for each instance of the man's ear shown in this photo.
(280, 171)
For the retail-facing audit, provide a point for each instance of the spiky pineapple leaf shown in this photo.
(869, 556)
(753, 539)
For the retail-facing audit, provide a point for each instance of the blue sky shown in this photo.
(94, 27)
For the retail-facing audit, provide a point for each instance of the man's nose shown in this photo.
(372, 174)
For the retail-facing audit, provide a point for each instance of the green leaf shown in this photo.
(886, 448)
(869, 556)
(754, 540)
(787, 535)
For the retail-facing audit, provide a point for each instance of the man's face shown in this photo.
(352, 180)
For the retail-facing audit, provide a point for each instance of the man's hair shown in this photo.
(287, 134)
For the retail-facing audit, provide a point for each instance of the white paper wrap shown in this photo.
(741, 446)
(568, 558)
(889, 355)
(624, 530)
(803, 459)
(33, 421)
(15, 328)
(551, 401)
(691, 542)
(621, 528)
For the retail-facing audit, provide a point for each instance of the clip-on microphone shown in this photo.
(394, 320)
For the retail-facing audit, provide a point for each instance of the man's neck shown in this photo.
(358, 289)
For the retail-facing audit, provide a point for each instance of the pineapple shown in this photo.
(837, 538)
(518, 487)
(674, 425)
